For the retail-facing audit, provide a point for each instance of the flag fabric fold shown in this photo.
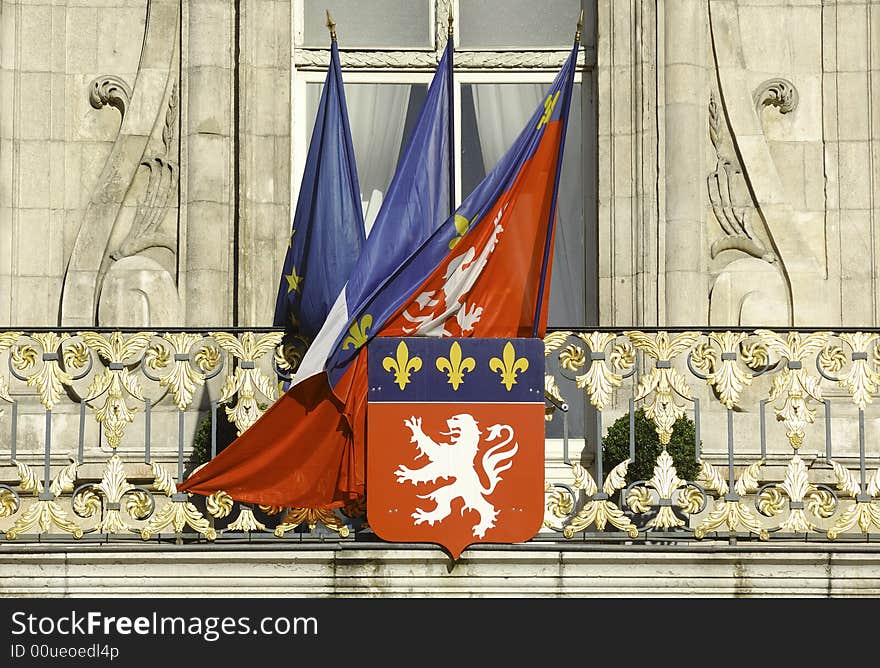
(327, 234)
(415, 205)
(477, 274)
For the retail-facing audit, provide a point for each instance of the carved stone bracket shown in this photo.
(779, 93)
(111, 90)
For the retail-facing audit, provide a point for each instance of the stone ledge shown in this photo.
(347, 570)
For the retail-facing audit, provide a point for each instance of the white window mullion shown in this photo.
(456, 124)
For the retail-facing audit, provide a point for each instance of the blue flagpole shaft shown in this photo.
(551, 223)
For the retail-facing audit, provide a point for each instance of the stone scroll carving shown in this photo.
(730, 197)
(765, 267)
(110, 90)
(147, 230)
(779, 93)
(125, 251)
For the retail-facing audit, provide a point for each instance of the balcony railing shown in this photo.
(97, 428)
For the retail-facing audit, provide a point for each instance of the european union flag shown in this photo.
(328, 226)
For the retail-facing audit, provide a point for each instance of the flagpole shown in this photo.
(451, 115)
(548, 241)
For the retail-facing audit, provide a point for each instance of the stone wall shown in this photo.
(144, 161)
(739, 167)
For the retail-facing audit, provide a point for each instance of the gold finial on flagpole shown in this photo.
(451, 31)
(580, 28)
(331, 26)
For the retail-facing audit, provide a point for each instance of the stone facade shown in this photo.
(146, 168)
(740, 143)
(145, 161)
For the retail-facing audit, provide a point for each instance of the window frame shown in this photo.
(409, 65)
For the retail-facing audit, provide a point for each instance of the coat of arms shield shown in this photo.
(455, 440)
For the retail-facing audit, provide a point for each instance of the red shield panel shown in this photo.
(455, 440)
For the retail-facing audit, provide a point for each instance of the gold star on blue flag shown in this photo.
(328, 220)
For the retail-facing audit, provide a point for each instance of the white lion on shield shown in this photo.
(456, 460)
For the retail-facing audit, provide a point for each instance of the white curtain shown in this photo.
(502, 111)
(377, 115)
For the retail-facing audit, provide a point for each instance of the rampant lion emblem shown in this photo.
(456, 460)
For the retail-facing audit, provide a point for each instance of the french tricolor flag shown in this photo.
(492, 280)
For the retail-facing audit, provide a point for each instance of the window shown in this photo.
(507, 53)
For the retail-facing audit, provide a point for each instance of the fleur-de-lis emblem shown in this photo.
(455, 365)
(402, 364)
(357, 333)
(549, 105)
(461, 226)
(509, 366)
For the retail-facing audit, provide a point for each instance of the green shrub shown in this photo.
(615, 447)
(201, 447)
(201, 450)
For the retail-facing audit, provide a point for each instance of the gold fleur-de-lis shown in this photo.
(549, 105)
(509, 366)
(461, 226)
(357, 333)
(455, 365)
(402, 364)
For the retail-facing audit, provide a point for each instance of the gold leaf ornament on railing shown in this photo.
(793, 387)
(182, 380)
(49, 378)
(717, 360)
(246, 522)
(6, 341)
(598, 512)
(864, 510)
(178, 513)
(9, 501)
(116, 380)
(219, 504)
(800, 496)
(311, 517)
(670, 489)
(862, 381)
(45, 512)
(732, 513)
(602, 377)
(247, 379)
(663, 382)
(118, 494)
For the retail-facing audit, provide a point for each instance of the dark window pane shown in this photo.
(519, 24)
(374, 24)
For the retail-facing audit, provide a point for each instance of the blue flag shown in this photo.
(417, 203)
(328, 225)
